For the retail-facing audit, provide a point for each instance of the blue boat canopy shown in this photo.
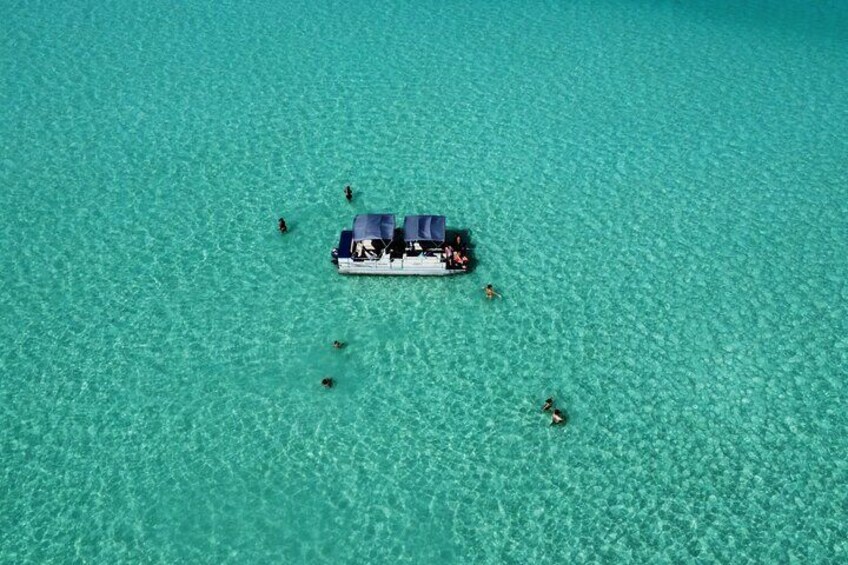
(373, 226)
(424, 228)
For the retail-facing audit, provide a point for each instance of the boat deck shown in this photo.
(400, 259)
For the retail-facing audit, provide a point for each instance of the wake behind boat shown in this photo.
(422, 247)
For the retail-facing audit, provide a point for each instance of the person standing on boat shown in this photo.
(283, 227)
(348, 193)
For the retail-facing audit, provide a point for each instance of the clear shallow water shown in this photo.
(658, 189)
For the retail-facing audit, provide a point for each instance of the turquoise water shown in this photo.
(659, 189)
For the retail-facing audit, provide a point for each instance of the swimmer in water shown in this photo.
(283, 227)
(490, 292)
(348, 193)
(327, 382)
(557, 419)
(549, 403)
(337, 344)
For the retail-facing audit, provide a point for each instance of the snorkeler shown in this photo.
(549, 403)
(348, 193)
(327, 382)
(283, 227)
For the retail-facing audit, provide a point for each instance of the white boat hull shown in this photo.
(396, 267)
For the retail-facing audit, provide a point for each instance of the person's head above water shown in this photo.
(557, 418)
(327, 382)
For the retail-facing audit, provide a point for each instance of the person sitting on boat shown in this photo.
(490, 292)
(337, 344)
(558, 418)
(459, 244)
(549, 403)
(348, 193)
(283, 227)
(448, 252)
(327, 382)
